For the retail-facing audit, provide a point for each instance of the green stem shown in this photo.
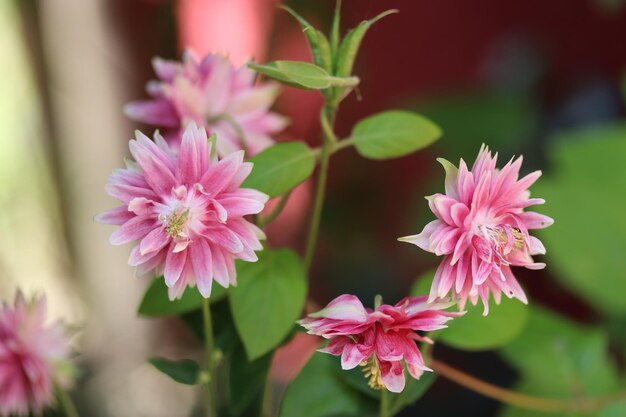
(384, 403)
(274, 213)
(327, 118)
(208, 337)
(342, 144)
(65, 401)
(524, 401)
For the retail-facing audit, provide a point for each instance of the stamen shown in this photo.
(372, 372)
(506, 238)
(175, 223)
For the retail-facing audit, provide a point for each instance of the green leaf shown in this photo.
(320, 48)
(475, 332)
(155, 302)
(351, 43)
(185, 371)
(303, 75)
(280, 168)
(393, 133)
(318, 391)
(587, 243)
(247, 380)
(334, 30)
(559, 359)
(268, 299)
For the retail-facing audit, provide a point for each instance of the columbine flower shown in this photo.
(215, 95)
(186, 210)
(380, 339)
(482, 229)
(33, 357)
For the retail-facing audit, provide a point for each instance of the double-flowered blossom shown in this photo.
(186, 211)
(482, 230)
(379, 339)
(214, 94)
(33, 358)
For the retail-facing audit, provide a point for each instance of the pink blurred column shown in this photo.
(239, 28)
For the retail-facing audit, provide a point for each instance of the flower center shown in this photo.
(175, 222)
(499, 240)
(372, 372)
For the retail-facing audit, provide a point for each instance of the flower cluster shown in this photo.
(214, 94)
(379, 339)
(482, 230)
(186, 211)
(33, 357)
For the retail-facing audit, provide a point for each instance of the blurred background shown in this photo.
(542, 79)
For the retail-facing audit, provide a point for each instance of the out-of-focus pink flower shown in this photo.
(482, 230)
(33, 357)
(186, 211)
(213, 94)
(379, 339)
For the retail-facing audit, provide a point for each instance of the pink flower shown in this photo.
(214, 94)
(33, 357)
(186, 211)
(379, 339)
(482, 230)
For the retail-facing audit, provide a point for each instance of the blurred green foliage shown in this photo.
(500, 119)
(559, 359)
(585, 192)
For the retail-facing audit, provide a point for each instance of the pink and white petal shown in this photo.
(248, 233)
(336, 345)
(344, 307)
(482, 196)
(220, 268)
(134, 229)
(216, 88)
(165, 69)
(536, 247)
(167, 157)
(388, 345)
(441, 205)
(462, 268)
(392, 374)
(240, 176)
(136, 258)
(219, 175)
(352, 355)
(154, 241)
(202, 264)
(151, 264)
(116, 216)
(188, 168)
(447, 278)
(158, 175)
(253, 99)
(157, 112)
(126, 193)
(466, 184)
(174, 264)
(225, 238)
(452, 173)
(458, 213)
(422, 240)
(534, 220)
